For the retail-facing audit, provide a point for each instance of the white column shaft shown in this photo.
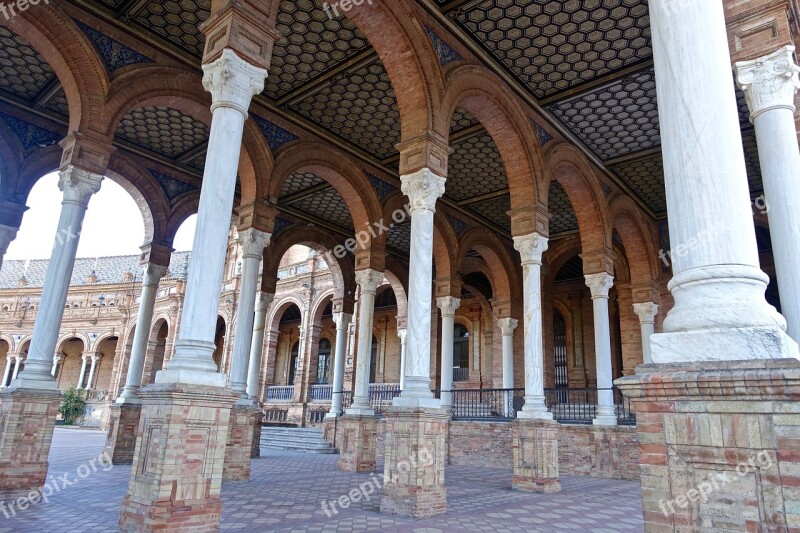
(646, 313)
(339, 356)
(7, 370)
(368, 281)
(263, 302)
(448, 307)
(92, 367)
(600, 284)
(56, 359)
(17, 365)
(82, 375)
(402, 334)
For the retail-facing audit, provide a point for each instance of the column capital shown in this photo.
(78, 185)
(264, 301)
(531, 247)
(152, 274)
(402, 333)
(448, 305)
(646, 312)
(507, 326)
(423, 189)
(369, 280)
(160, 254)
(599, 284)
(7, 235)
(342, 320)
(769, 82)
(233, 82)
(253, 243)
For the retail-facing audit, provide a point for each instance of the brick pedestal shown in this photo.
(27, 419)
(121, 437)
(719, 445)
(534, 454)
(358, 437)
(258, 421)
(239, 446)
(415, 456)
(180, 450)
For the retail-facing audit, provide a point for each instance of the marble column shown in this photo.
(150, 279)
(82, 374)
(253, 243)
(232, 83)
(531, 247)
(7, 236)
(423, 188)
(720, 311)
(448, 307)
(769, 84)
(600, 284)
(368, 282)
(7, 371)
(342, 320)
(56, 360)
(263, 303)
(92, 368)
(402, 334)
(507, 327)
(78, 187)
(647, 314)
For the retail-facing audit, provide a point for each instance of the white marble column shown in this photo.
(56, 360)
(7, 370)
(263, 302)
(448, 307)
(600, 284)
(423, 189)
(720, 311)
(253, 243)
(232, 82)
(17, 366)
(647, 314)
(78, 187)
(7, 236)
(92, 368)
(368, 282)
(342, 320)
(82, 374)
(150, 279)
(402, 334)
(507, 327)
(769, 84)
(531, 247)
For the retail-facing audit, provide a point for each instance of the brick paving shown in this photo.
(286, 492)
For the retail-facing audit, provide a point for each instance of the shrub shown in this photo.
(72, 405)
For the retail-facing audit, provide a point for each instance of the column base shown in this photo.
(258, 424)
(358, 435)
(28, 417)
(719, 444)
(177, 468)
(415, 457)
(239, 447)
(534, 451)
(729, 344)
(121, 438)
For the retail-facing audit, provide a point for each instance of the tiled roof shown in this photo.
(108, 270)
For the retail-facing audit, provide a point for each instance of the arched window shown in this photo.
(460, 353)
(373, 365)
(560, 350)
(293, 362)
(323, 361)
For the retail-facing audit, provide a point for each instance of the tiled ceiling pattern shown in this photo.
(399, 238)
(312, 44)
(462, 120)
(496, 211)
(23, 72)
(563, 217)
(177, 21)
(475, 168)
(326, 205)
(298, 182)
(555, 45)
(162, 130)
(646, 178)
(359, 106)
(616, 120)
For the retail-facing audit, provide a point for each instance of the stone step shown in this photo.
(296, 439)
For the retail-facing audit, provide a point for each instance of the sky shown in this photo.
(113, 224)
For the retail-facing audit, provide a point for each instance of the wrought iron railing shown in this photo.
(473, 404)
(460, 374)
(321, 393)
(380, 396)
(283, 393)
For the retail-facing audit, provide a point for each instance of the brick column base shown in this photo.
(359, 437)
(180, 451)
(27, 419)
(415, 458)
(258, 421)
(719, 444)
(239, 446)
(329, 431)
(534, 454)
(121, 437)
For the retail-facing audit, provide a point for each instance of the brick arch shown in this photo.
(278, 308)
(336, 169)
(401, 43)
(479, 92)
(186, 206)
(104, 337)
(256, 164)
(638, 238)
(54, 35)
(321, 302)
(400, 291)
(69, 336)
(569, 167)
(558, 254)
(622, 267)
(502, 270)
(12, 158)
(35, 166)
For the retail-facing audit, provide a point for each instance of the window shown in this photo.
(373, 360)
(460, 353)
(560, 350)
(293, 362)
(323, 361)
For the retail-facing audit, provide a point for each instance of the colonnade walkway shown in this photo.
(286, 491)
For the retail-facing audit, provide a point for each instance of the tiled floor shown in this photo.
(287, 490)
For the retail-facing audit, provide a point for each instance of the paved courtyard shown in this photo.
(287, 491)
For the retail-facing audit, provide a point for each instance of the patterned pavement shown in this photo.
(287, 490)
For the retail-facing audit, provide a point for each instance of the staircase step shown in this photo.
(295, 439)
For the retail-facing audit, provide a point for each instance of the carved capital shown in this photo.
(530, 248)
(646, 312)
(599, 284)
(233, 82)
(402, 333)
(369, 280)
(448, 305)
(769, 82)
(423, 189)
(253, 243)
(342, 320)
(78, 185)
(7, 235)
(264, 301)
(153, 274)
(507, 326)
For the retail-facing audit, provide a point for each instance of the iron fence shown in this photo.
(380, 397)
(460, 375)
(280, 394)
(321, 393)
